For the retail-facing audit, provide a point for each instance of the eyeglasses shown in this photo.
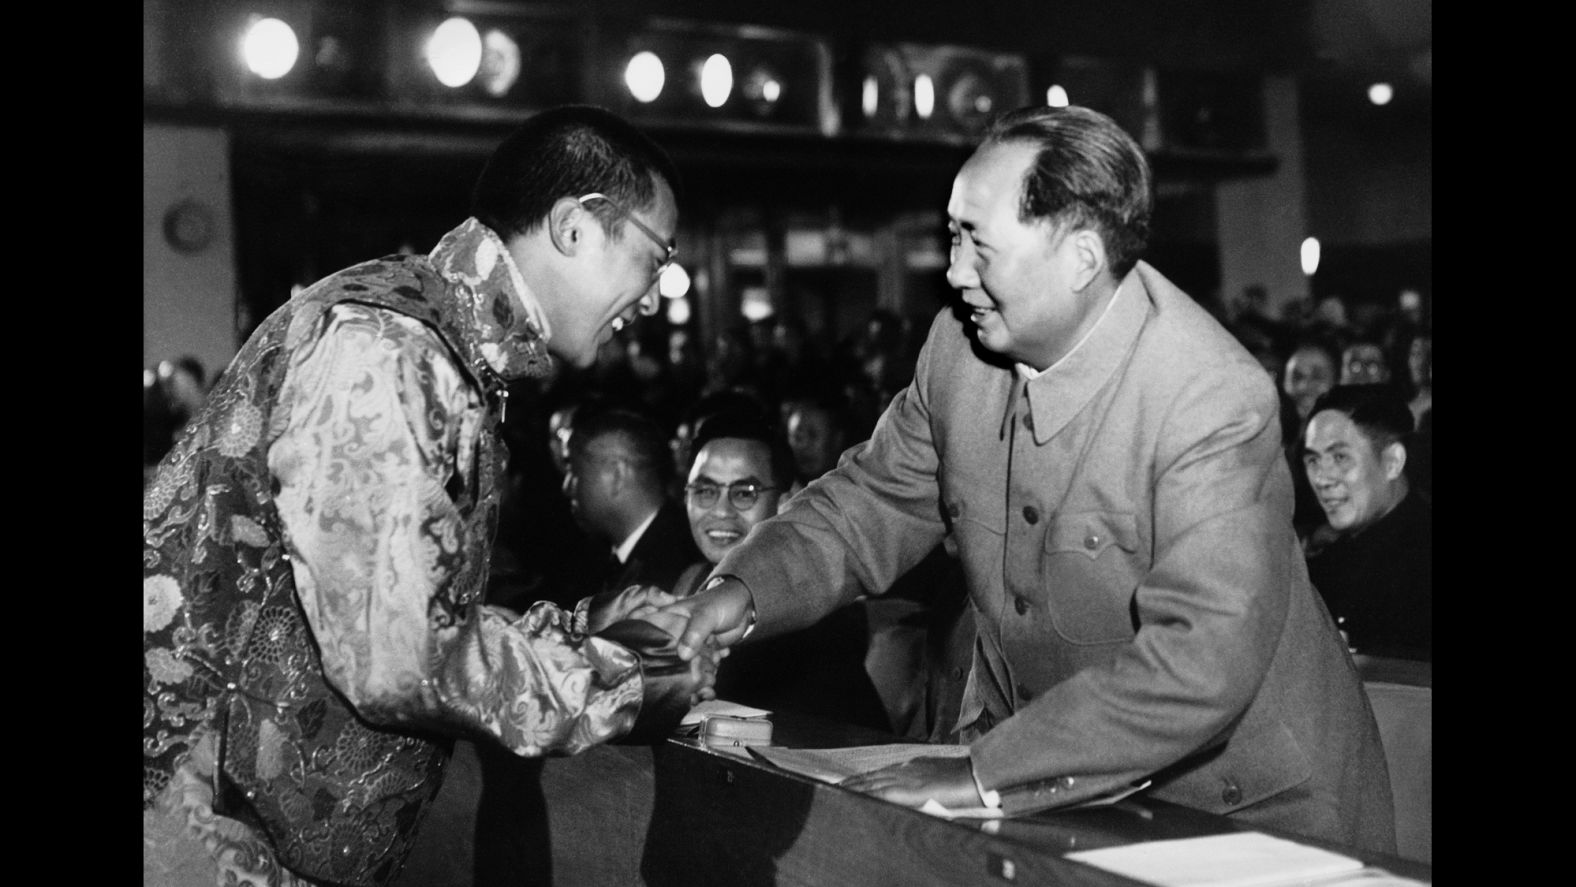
(667, 246)
(741, 494)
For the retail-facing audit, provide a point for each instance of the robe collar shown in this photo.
(509, 329)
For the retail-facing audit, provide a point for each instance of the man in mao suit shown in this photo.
(1109, 460)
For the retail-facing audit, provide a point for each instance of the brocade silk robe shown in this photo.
(315, 551)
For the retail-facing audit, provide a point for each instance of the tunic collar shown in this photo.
(1057, 394)
(511, 332)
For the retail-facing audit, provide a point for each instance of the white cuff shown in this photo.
(992, 798)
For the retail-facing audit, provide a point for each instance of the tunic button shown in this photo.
(1092, 541)
(1031, 514)
(957, 674)
(1021, 605)
(1024, 694)
(1231, 796)
(1066, 782)
(953, 509)
(1028, 422)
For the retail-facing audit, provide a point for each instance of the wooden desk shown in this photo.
(682, 814)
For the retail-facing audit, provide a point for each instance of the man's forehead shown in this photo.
(733, 453)
(993, 176)
(1330, 429)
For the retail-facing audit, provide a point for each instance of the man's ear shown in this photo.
(1394, 460)
(566, 225)
(1089, 249)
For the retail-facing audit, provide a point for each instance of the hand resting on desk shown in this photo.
(949, 781)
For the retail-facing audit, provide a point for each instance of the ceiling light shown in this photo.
(270, 48)
(455, 52)
(644, 76)
(716, 80)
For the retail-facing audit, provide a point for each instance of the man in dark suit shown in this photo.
(619, 472)
(1376, 572)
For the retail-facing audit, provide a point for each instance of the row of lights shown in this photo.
(646, 76)
(459, 53)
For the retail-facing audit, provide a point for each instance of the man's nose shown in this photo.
(651, 301)
(961, 275)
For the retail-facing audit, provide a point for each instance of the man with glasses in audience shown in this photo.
(316, 543)
(741, 473)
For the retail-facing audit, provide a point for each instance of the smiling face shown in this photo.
(611, 278)
(1363, 364)
(1020, 279)
(1356, 483)
(1309, 374)
(723, 461)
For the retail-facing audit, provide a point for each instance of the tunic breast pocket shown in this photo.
(1091, 569)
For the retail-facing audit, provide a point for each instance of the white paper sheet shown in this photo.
(1240, 859)
(721, 707)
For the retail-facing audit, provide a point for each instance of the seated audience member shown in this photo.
(617, 483)
(740, 471)
(1420, 369)
(1376, 571)
(1363, 363)
(1310, 371)
(1420, 372)
(173, 392)
(727, 400)
(817, 427)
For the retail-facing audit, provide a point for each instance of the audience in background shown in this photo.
(1373, 559)
(173, 391)
(818, 432)
(1311, 370)
(1363, 362)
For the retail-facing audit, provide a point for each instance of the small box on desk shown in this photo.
(724, 731)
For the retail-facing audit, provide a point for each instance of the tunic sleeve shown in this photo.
(379, 426)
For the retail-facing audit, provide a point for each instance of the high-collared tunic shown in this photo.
(1123, 521)
(315, 550)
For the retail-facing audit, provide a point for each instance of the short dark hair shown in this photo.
(1379, 410)
(640, 435)
(1088, 171)
(568, 151)
(744, 426)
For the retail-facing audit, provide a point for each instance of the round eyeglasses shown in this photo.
(742, 495)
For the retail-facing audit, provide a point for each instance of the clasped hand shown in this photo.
(666, 673)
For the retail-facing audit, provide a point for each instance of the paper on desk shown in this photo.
(723, 708)
(837, 764)
(1240, 859)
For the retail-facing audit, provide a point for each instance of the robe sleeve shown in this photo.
(379, 429)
